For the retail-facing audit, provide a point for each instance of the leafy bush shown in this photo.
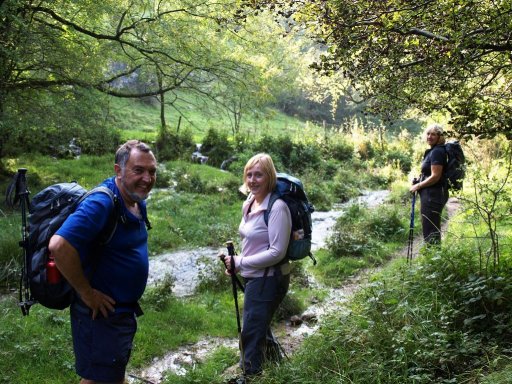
(237, 166)
(279, 148)
(47, 125)
(158, 297)
(186, 182)
(202, 179)
(386, 223)
(163, 177)
(289, 156)
(217, 147)
(304, 156)
(435, 321)
(327, 168)
(172, 145)
(213, 278)
(339, 149)
(360, 231)
(353, 243)
(318, 195)
(480, 300)
(345, 185)
(365, 149)
(403, 159)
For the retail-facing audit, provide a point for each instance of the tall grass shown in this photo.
(10, 236)
(38, 347)
(439, 319)
(362, 238)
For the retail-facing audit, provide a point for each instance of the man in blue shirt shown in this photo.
(108, 279)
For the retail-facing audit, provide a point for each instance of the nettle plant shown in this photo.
(488, 201)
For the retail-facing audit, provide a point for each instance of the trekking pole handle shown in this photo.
(231, 252)
(231, 248)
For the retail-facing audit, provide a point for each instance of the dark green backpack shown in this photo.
(455, 165)
(291, 191)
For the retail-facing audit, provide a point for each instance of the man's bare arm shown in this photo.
(68, 262)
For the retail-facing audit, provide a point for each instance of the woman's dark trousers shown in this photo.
(433, 200)
(262, 298)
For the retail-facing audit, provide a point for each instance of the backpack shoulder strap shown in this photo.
(144, 214)
(102, 189)
(273, 197)
(445, 147)
(117, 207)
(446, 160)
(115, 214)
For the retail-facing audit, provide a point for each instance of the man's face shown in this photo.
(138, 176)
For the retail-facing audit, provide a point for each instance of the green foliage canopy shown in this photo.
(60, 43)
(133, 49)
(121, 48)
(449, 56)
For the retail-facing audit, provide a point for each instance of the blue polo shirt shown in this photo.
(120, 267)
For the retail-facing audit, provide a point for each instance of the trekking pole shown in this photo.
(234, 283)
(411, 229)
(17, 193)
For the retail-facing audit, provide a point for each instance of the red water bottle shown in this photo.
(53, 275)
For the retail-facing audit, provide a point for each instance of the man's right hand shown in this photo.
(98, 302)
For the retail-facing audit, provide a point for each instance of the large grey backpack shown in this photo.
(47, 212)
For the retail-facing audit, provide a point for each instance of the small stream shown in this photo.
(188, 266)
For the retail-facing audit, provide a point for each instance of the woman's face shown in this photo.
(257, 181)
(432, 138)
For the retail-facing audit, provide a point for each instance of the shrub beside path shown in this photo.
(291, 333)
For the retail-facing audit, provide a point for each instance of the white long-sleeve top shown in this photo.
(263, 246)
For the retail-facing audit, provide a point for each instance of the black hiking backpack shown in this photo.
(47, 212)
(291, 191)
(455, 165)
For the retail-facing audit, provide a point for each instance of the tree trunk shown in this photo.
(163, 124)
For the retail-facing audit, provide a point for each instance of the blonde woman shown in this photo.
(432, 186)
(261, 263)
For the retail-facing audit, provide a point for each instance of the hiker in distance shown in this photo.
(110, 279)
(261, 263)
(432, 185)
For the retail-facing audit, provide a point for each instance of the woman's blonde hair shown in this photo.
(438, 129)
(267, 166)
